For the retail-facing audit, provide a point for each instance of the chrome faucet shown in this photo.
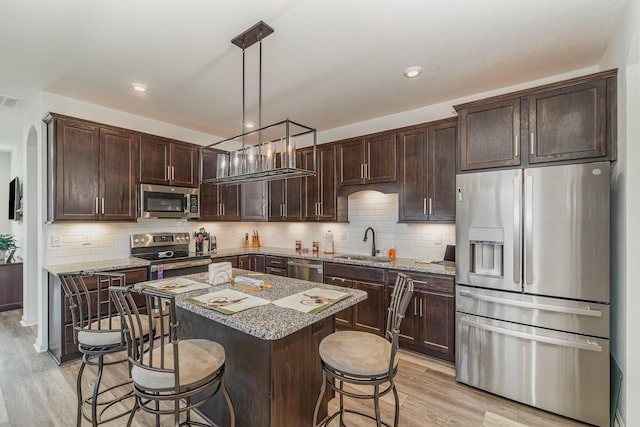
(373, 240)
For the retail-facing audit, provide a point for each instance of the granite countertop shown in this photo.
(93, 266)
(397, 264)
(268, 322)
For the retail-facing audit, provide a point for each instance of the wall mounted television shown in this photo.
(15, 196)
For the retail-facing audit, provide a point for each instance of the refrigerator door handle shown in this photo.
(533, 305)
(528, 231)
(517, 227)
(590, 346)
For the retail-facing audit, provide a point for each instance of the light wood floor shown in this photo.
(34, 391)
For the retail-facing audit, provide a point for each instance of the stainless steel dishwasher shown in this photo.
(305, 270)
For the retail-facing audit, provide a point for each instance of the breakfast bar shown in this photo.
(273, 371)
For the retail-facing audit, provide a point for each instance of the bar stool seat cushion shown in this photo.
(199, 360)
(108, 334)
(357, 353)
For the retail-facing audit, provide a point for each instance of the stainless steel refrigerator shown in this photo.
(532, 293)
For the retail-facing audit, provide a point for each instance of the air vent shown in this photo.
(8, 101)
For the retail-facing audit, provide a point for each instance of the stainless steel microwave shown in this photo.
(163, 201)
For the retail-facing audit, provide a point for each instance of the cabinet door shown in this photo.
(277, 194)
(412, 197)
(345, 317)
(311, 190)
(410, 326)
(118, 170)
(258, 263)
(154, 160)
(244, 262)
(184, 165)
(77, 151)
(381, 159)
(229, 199)
(254, 201)
(327, 171)
(351, 160)
(209, 203)
(368, 315)
(489, 135)
(437, 313)
(441, 173)
(568, 123)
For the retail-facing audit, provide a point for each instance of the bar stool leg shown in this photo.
(342, 404)
(232, 411)
(79, 393)
(323, 386)
(376, 404)
(96, 388)
(133, 411)
(396, 417)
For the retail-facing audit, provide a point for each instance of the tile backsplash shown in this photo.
(80, 242)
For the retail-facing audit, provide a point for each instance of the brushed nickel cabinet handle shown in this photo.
(424, 206)
(103, 206)
(415, 306)
(421, 307)
(516, 147)
(97, 206)
(430, 206)
(533, 144)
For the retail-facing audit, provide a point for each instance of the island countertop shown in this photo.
(267, 322)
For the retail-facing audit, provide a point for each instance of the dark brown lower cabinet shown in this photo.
(429, 323)
(10, 286)
(232, 259)
(368, 315)
(61, 345)
(276, 265)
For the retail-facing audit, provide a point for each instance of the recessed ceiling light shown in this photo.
(412, 72)
(249, 125)
(139, 87)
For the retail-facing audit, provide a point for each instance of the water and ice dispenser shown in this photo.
(486, 251)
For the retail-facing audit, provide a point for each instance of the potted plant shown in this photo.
(7, 242)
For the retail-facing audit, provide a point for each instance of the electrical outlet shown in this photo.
(86, 240)
(54, 241)
(438, 239)
(343, 235)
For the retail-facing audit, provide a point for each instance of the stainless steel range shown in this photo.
(169, 254)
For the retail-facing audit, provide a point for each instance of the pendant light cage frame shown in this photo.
(264, 154)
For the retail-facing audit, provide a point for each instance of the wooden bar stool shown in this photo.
(365, 359)
(167, 371)
(98, 333)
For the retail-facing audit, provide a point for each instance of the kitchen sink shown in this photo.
(366, 258)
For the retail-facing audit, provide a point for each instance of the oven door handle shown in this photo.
(181, 264)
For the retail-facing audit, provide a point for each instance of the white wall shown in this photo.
(623, 53)
(5, 177)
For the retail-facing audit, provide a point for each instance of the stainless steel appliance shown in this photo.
(305, 270)
(169, 254)
(162, 201)
(532, 295)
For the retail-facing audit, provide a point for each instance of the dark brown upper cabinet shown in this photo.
(93, 171)
(285, 197)
(569, 121)
(254, 202)
(319, 192)
(369, 160)
(168, 162)
(426, 164)
(490, 135)
(217, 202)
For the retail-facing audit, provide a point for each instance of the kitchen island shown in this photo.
(272, 371)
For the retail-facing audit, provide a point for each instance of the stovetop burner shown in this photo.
(163, 247)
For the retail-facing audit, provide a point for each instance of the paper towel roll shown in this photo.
(328, 247)
(220, 272)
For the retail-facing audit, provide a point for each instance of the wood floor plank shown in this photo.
(34, 391)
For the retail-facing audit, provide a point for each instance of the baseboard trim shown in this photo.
(25, 322)
(39, 347)
(618, 420)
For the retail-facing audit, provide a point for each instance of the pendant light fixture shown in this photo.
(263, 154)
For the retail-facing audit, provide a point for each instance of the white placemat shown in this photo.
(228, 301)
(177, 285)
(311, 301)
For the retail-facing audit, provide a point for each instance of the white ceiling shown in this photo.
(328, 63)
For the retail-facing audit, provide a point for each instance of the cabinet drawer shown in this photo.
(427, 282)
(276, 262)
(277, 271)
(374, 275)
(232, 259)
